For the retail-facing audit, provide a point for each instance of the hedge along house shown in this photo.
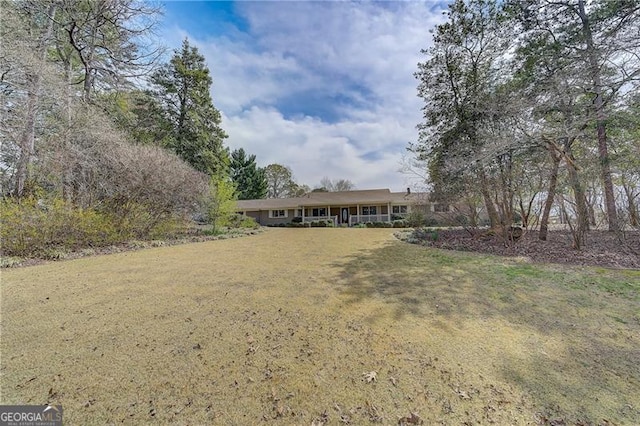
(344, 208)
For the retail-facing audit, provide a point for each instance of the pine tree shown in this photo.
(182, 86)
(250, 180)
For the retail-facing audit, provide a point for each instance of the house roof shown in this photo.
(323, 199)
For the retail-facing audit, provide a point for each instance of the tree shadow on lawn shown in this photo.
(592, 374)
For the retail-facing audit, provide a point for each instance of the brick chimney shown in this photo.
(408, 191)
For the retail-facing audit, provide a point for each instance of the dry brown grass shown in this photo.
(283, 327)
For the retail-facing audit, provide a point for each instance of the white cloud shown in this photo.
(313, 148)
(364, 54)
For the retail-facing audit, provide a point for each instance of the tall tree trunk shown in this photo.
(551, 194)
(494, 218)
(592, 212)
(473, 212)
(598, 103)
(28, 135)
(632, 208)
(507, 193)
(582, 212)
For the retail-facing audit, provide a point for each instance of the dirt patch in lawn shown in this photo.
(601, 248)
(321, 326)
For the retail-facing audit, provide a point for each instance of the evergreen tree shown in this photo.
(182, 86)
(250, 180)
(459, 83)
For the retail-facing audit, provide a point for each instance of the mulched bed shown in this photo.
(601, 249)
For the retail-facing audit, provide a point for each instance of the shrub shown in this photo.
(49, 228)
(296, 225)
(241, 221)
(35, 228)
(431, 221)
(415, 219)
(461, 220)
(321, 223)
(297, 219)
(400, 223)
(249, 223)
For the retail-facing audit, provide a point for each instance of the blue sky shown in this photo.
(323, 87)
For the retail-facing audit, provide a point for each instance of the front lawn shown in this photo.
(321, 326)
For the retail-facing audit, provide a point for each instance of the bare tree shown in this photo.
(106, 38)
(335, 185)
(26, 41)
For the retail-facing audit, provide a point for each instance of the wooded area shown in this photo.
(101, 141)
(532, 109)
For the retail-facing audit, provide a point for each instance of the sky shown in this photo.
(326, 88)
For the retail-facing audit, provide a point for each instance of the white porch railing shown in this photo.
(355, 219)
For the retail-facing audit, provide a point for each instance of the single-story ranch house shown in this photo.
(343, 208)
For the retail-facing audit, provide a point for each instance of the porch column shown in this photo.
(302, 214)
(388, 212)
(358, 212)
(328, 211)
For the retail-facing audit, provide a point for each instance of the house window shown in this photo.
(441, 208)
(299, 212)
(278, 213)
(399, 209)
(322, 211)
(369, 210)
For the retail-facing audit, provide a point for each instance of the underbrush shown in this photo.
(50, 228)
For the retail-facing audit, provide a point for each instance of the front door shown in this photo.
(344, 215)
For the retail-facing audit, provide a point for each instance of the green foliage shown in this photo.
(280, 183)
(458, 85)
(242, 222)
(182, 86)
(32, 228)
(431, 221)
(49, 228)
(250, 180)
(220, 203)
(379, 225)
(415, 219)
(318, 224)
(293, 224)
(140, 115)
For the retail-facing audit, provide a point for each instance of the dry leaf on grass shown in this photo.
(462, 394)
(413, 419)
(321, 420)
(371, 376)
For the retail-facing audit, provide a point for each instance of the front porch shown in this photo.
(346, 215)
